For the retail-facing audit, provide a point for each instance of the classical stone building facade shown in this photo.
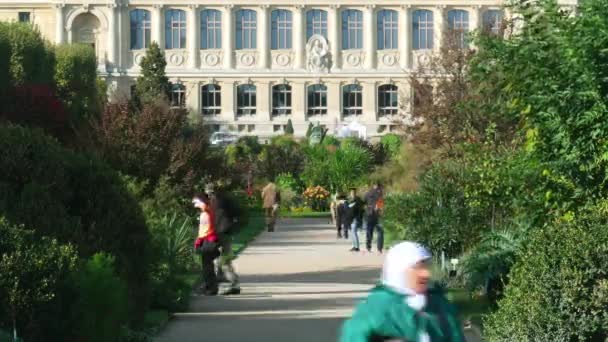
(252, 65)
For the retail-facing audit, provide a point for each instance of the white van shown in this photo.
(223, 138)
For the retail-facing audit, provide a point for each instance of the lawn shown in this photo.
(305, 214)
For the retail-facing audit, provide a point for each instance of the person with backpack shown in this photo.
(206, 243)
(353, 217)
(340, 212)
(373, 203)
(227, 214)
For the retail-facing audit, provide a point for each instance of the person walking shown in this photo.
(206, 243)
(374, 202)
(405, 306)
(339, 215)
(270, 203)
(226, 222)
(354, 217)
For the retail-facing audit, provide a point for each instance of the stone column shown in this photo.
(334, 97)
(263, 101)
(192, 29)
(298, 37)
(59, 24)
(369, 38)
(439, 28)
(405, 37)
(228, 101)
(369, 102)
(263, 36)
(158, 25)
(334, 28)
(298, 106)
(111, 48)
(476, 21)
(193, 101)
(228, 37)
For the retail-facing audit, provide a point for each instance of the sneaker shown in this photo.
(339, 235)
(354, 249)
(369, 250)
(232, 291)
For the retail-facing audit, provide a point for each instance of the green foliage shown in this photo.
(309, 129)
(101, 308)
(288, 181)
(31, 60)
(289, 129)
(33, 272)
(282, 155)
(153, 83)
(558, 288)
(5, 57)
(392, 144)
(76, 199)
(331, 140)
(76, 80)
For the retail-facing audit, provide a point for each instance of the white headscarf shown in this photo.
(398, 259)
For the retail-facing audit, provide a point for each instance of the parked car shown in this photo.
(223, 138)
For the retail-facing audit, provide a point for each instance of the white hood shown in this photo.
(398, 259)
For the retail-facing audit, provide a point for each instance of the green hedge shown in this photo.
(77, 199)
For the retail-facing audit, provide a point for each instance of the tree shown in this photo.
(153, 83)
(289, 128)
(76, 81)
(309, 129)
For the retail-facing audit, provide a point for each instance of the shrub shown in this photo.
(76, 81)
(102, 304)
(33, 272)
(392, 144)
(558, 289)
(153, 84)
(76, 199)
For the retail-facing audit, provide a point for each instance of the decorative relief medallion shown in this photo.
(212, 59)
(282, 60)
(138, 58)
(317, 51)
(176, 59)
(353, 60)
(247, 59)
(424, 59)
(389, 60)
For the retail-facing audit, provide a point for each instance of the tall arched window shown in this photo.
(422, 29)
(246, 99)
(246, 29)
(177, 96)
(352, 29)
(458, 21)
(388, 30)
(352, 100)
(281, 99)
(317, 100)
(211, 98)
(211, 29)
(281, 29)
(316, 23)
(175, 29)
(388, 99)
(492, 21)
(140, 29)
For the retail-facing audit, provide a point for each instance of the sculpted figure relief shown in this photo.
(318, 54)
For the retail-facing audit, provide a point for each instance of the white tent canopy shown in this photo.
(352, 129)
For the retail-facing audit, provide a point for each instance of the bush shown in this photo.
(76, 81)
(558, 288)
(102, 304)
(76, 199)
(392, 144)
(34, 272)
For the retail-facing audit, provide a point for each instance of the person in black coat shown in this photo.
(353, 217)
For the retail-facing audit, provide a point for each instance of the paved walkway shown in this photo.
(299, 283)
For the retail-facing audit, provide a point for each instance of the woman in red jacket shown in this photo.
(206, 243)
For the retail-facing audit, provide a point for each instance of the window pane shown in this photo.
(422, 29)
(458, 21)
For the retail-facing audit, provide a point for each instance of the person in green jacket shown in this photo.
(404, 307)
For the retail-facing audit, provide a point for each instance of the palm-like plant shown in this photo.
(178, 241)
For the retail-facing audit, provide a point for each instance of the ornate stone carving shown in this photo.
(353, 59)
(176, 59)
(389, 59)
(424, 59)
(247, 59)
(282, 60)
(85, 7)
(212, 59)
(138, 58)
(317, 51)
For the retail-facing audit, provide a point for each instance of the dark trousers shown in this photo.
(209, 275)
(373, 223)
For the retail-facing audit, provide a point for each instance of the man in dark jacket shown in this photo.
(226, 216)
(372, 217)
(353, 217)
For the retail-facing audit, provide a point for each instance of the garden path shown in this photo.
(298, 285)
